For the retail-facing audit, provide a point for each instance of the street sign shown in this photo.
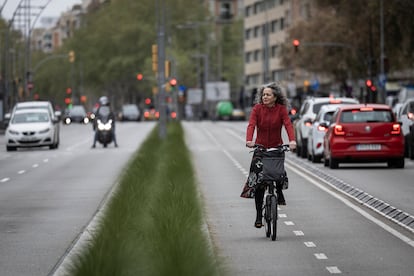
(194, 96)
(382, 79)
(217, 91)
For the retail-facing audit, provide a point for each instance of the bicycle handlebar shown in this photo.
(280, 148)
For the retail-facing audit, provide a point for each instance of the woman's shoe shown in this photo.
(258, 224)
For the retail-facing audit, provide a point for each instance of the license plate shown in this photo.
(368, 147)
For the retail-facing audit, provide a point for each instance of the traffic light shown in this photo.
(370, 85)
(167, 68)
(173, 82)
(71, 56)
(147, 101)
(296, 44)
(140, 77)
(154, 50)
(69, 91)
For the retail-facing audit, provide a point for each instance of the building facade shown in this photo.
(265, 31)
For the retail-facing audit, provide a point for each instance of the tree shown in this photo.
(355, 24)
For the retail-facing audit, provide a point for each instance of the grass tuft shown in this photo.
(153, 224)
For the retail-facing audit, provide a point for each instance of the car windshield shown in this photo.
(77, 110)
(317, 106)
(31, 117)
(358, 116)
(130, 108)
(328, 116)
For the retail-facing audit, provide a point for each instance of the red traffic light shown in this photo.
(296, 42)
(147, 101)
(140, 76)
(68, 100)
(68, 90)
(173, 82)
(368, 83)
(373, 88)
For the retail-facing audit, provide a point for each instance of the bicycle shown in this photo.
(273, 175)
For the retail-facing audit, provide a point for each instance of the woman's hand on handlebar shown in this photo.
(250, 144)
(292, 145)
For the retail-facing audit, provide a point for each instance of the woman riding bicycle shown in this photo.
(268, 116)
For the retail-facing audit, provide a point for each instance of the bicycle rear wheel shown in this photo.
(273, 216)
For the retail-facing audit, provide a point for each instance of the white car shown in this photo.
(406, 117)
(32, 128)
(318, 130)
(307, 113)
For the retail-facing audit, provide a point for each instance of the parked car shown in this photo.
(32, 128)
(129, 112)
(308, 110)
(406, 117)
(76, 114)
(364, 133)
(318, 130)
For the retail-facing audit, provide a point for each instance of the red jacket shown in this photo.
(268, 122)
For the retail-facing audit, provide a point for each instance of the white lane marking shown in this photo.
(320, 256)
(5, 180)
(282, 216)
(355, 208)
(298, 233)
(21, 172)
(289, 223)
(45, 160)
(35, 165)
(310, 244)
(333, 269)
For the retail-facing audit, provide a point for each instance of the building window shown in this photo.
(282, 23)
(256, 31)
(248, 57)
(275, 51)
(248, 11)
(256, 55)
(248, 34)
(273, 26)
(226, 11)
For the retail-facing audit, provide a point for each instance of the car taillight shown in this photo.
(396, 129)
(410, 115)
(322, 128)
(339, 130)
(308, 124)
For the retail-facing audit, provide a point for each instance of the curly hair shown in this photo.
(276, 90)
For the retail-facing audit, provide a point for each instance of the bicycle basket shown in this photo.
(273, 165)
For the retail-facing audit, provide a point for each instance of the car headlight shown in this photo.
(44, 131)
(13, 132)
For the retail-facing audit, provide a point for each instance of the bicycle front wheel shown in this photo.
(267, 216)
(273, 216)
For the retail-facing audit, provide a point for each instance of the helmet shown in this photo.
(104, 100)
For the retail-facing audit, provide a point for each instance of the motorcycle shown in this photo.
(104, 131)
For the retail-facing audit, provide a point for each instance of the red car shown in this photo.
(364, 133)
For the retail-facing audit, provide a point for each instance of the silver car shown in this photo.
(32, 128)
(318, 130)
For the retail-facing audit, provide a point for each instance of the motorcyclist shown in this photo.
(104, 102)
